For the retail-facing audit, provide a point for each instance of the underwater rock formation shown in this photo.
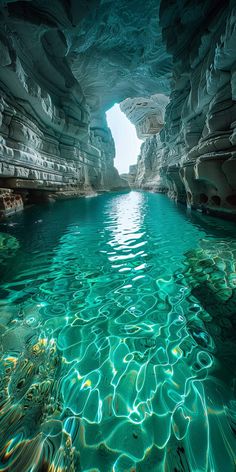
(210, 276)
(8, 247)
(111, 357)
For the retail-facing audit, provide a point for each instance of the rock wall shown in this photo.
(147, 173)
(101, 138)
(45, 139)
(194, 156)
(35, 154)
(62, 65)
(147, 114)
(131, 175)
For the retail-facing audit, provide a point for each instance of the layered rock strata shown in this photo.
(53, 151)
(147, 114)
(131, 175)
(201, 117)
(194, 156)
(62, 65)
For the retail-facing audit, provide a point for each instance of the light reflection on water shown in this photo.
(117, 326)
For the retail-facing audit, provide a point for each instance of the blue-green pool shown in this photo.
(118, 330)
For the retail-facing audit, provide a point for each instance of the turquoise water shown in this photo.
(118, 327)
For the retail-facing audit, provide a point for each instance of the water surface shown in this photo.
(117, 337)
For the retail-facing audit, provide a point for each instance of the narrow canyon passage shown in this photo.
(118, 337)
(117, 236)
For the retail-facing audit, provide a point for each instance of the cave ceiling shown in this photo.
(103, 51)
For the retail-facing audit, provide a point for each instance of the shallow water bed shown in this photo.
(117, 338)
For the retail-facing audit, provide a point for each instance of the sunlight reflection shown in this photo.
(126, 215)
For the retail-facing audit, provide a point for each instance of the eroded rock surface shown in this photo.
(62, 66)
(147, 114)
(193, 157)
(10, 203)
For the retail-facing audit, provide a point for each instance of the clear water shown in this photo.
(118, 326)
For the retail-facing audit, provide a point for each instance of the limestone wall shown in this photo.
(194, 154)
(201, 118)
(147, 114)
(47, 139)
(171, 64)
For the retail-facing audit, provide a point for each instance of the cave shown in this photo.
(117, 285)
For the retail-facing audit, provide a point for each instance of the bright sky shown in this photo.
(126, 142)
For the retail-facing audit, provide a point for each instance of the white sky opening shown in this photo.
(126, 142)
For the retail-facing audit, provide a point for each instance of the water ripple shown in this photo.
(117, 339)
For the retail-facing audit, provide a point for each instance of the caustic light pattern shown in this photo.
(117, 338)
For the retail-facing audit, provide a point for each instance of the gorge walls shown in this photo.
(171, 65)
(47, 139)
(62, 65)
(193, 156)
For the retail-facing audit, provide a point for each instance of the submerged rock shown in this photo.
(209, 275)
(8, 246)
(213, 266)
